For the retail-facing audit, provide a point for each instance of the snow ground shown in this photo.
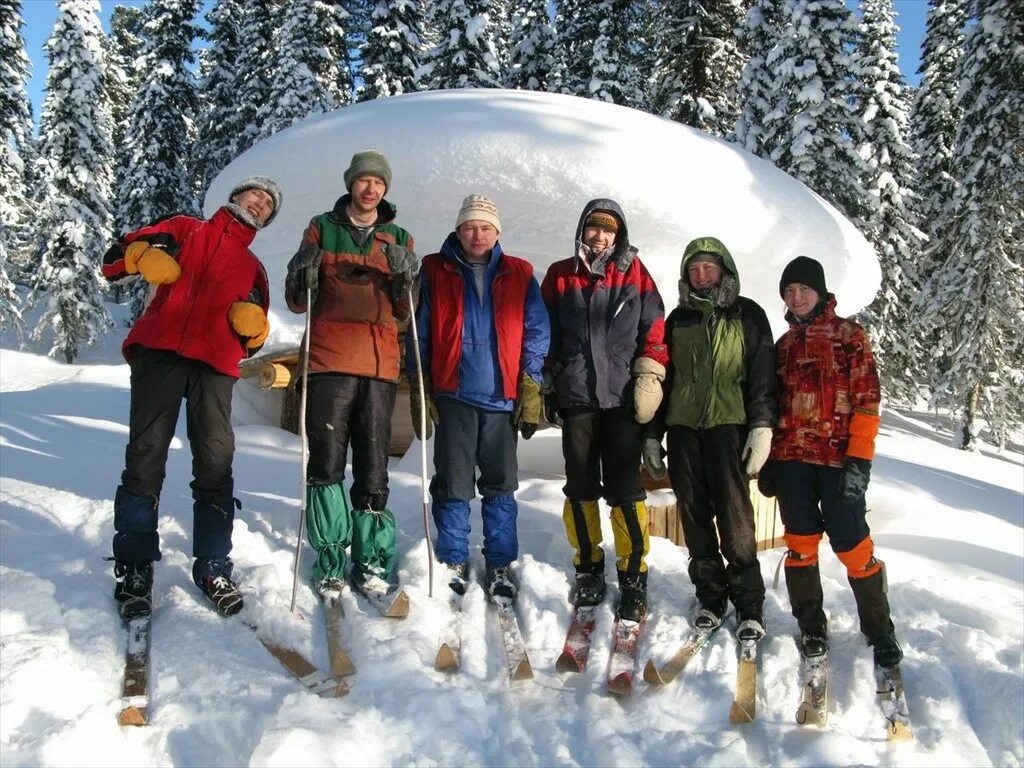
(948, 524)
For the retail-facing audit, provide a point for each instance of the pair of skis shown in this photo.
(135, 699)
(621, 661)
(517, 662)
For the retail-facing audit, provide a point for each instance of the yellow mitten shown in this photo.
(154, 264)
(250, 320)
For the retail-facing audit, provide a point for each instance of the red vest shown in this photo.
(446, 286)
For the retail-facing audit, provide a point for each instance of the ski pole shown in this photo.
(305, 447)
(423, 445)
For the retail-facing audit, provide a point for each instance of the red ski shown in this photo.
(577, 639)
(622, 662)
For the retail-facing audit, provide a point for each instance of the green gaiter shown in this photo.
(373, 544)
(330, 529)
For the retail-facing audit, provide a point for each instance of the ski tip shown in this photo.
(399, 608)
(567, 662)
(341, 664)
(738, 714)
(899, 731)
(652, 676)
(447, 659)
(621, 685)
(523, 671)
(334, 689)
(133, 716)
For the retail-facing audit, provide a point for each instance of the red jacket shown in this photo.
(446, 287)
(190, 316)
(828, 388)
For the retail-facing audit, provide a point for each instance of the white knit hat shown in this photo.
(478, 208)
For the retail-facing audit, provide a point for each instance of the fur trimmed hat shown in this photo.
(369, 162)
(478, 208)
(805, 270)
(264, 183)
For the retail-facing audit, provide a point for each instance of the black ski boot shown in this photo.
(590, 587)
(707, 619)
(751, 629)
(458, 577)
(875, 620)
(813, 645)
(134, 589)
(501, 587)
(223, 593)
(632, 597)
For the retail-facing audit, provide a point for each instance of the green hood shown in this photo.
(729, 288)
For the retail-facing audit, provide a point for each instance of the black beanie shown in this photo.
(804, 269)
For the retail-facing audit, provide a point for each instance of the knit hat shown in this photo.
(804, 269)
(478, 208)
(264, 183)
(603, 220)
(369, 162)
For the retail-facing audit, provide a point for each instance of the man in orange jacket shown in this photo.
(820, 462)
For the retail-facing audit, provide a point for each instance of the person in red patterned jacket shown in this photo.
(208, 310)
(603, 379)
(821, 455)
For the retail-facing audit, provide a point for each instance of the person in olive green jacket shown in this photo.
(358, 266)
(719, 411)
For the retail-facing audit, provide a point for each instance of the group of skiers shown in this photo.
(589, 348)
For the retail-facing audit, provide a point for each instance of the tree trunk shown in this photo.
(968, 435)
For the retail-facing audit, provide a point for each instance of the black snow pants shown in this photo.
(160, 380)
(343, 409)
(712, 489)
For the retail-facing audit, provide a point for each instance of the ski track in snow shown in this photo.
(948, 526)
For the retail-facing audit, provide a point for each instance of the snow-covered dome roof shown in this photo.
(541, 157)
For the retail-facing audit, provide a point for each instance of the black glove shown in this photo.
(304, 272)
(653, 455)
(853, 481)
(766, 481)
(551, 412)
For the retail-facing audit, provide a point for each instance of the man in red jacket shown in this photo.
(209, 310)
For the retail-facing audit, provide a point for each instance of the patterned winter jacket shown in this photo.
(603, 317)
(354, 326)
(828, 391)
(190, 316)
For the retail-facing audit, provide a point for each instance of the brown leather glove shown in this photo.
(526, 414)
(248, 319)
(154, 264)
(417, 407)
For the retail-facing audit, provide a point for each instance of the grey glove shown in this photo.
(304, 272)
(653, 458)
(405, 267)
(853, 481)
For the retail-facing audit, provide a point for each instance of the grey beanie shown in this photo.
(264, 183)
(369, 162)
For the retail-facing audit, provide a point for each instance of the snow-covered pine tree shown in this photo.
(123, 48)
(501, 32)
(76, 154)
(758, 35)
(534, 54)
(934, 121)
(15, 137)
(698, 64)
(257, 60)
(161, 134)
(976, 298)
(393, 53)
(599, 38)
(220, 118)
(801, 86)
(308, 78)
(465, 56)
(882, 103)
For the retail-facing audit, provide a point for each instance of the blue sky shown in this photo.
(40, 15)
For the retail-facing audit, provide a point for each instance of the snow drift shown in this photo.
(541, 157)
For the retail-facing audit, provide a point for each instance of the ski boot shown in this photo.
(223, 593)
(813, 645)
(887, 651)
(501, 586)
(632, 597)
(133, 590)
(458, 577)
(590, 587)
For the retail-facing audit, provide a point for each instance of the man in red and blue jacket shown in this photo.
(208, 310)
(483, 336)
(604, 373)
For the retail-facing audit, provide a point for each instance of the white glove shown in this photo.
(647, 377)
(755, 452)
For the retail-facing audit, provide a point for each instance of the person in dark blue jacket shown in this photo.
(483, 333)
